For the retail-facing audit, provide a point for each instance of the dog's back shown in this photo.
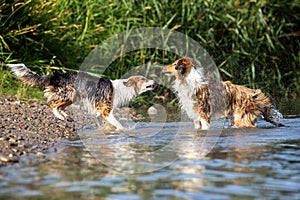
(245, 104)
(57, 87)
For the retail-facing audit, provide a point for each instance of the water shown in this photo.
(261, 163)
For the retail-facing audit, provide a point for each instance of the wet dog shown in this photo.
(62, 89)
(200, 96)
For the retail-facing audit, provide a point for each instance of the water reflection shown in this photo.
(137, 151)
(244, 163)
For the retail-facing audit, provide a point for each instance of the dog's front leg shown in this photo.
(112, 120)
(57, 114)
(202, 124)
(106, 111)
(197, 124)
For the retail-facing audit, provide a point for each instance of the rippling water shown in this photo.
(159, 162)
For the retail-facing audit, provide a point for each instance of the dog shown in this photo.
(62, 89)
(201, 96)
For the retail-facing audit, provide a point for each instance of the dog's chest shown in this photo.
(186, 101)
(122, 94)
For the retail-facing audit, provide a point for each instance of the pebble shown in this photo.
(15, 150)
(10, 158)
(152, 111)
(4, 158)
(40, 155)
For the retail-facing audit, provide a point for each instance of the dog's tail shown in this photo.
(273, 116)
(27, 76)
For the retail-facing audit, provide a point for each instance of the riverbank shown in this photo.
(29, 128)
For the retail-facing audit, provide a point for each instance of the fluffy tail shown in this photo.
(273, 116)
(27, 76)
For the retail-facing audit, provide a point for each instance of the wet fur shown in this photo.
(62, 89)
(202, 97)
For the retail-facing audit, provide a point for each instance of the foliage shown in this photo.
(253, 42)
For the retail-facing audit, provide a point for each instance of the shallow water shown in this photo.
(165, 161)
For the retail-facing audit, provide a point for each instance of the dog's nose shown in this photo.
(154, 83)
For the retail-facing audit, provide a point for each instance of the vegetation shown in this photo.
(253, 42)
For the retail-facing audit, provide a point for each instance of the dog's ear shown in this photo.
(129, 83)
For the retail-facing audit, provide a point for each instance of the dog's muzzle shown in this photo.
(152, 85)
(165, 71)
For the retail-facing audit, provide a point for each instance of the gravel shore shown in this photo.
(29, 128)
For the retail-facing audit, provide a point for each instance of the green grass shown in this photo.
(254, 43)
(9, 86)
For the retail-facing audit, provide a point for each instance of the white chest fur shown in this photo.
(186, 89)
(122, 94)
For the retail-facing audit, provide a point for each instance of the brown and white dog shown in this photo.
(201, 96)
(62, 89)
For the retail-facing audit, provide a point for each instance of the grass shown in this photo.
(254, 43)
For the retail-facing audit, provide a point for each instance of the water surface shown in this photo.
(260, 163)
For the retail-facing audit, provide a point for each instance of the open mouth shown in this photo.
(167, 73)
(152, 86)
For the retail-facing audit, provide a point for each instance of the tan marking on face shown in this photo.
(170, 70)
(180, 68)
(136, 82)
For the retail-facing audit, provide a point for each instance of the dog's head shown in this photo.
(180, 68)
(140, 84)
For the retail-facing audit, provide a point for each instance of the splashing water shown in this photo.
(276, 114)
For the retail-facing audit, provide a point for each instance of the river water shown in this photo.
(165, 161)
